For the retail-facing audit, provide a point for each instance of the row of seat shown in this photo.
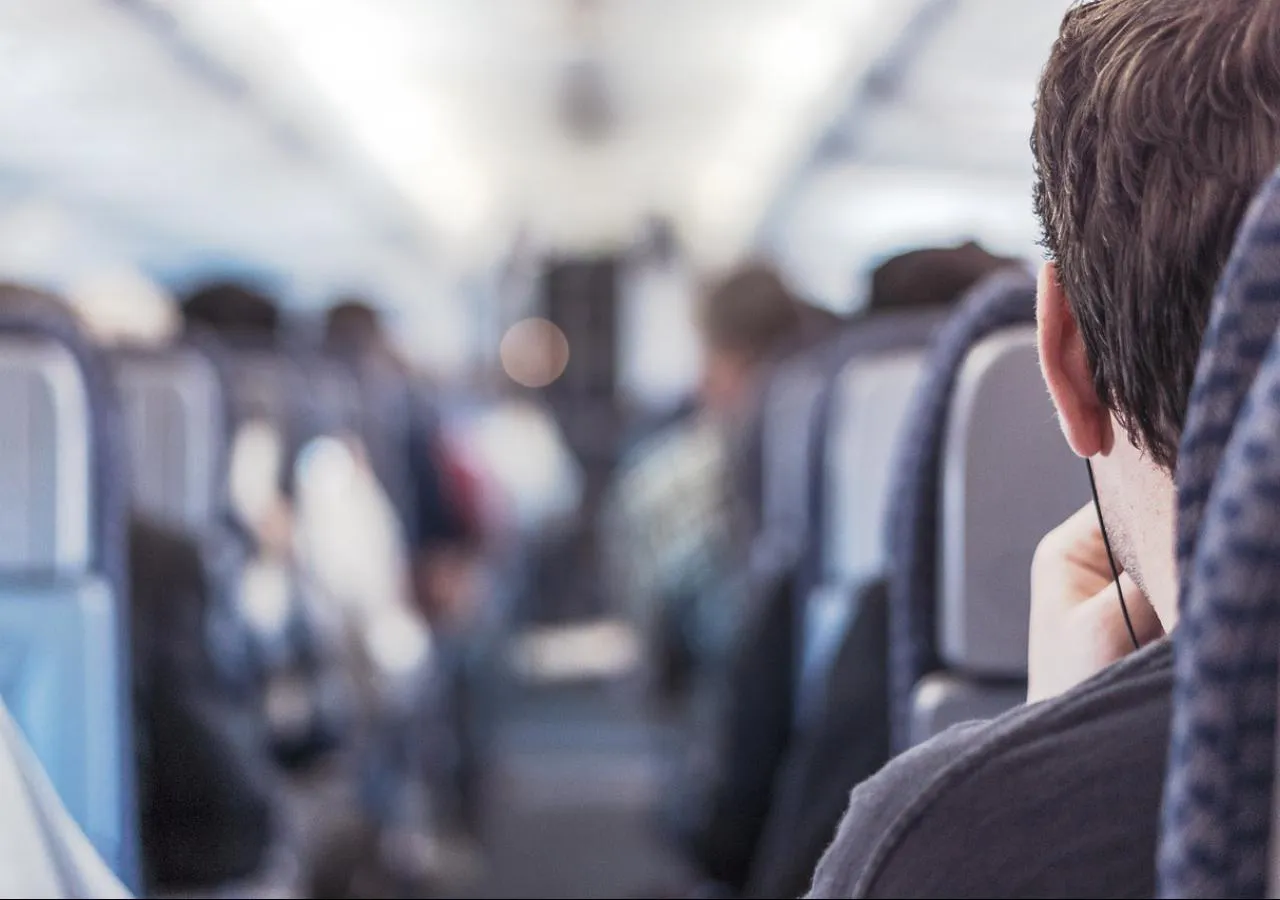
(910, 465)
(92, 438)
(943, 507)
(919, 449)
(63, 584)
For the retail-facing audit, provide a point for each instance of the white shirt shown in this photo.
(43, 854)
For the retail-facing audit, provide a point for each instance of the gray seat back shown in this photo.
(869, 403)
(790, 415)
(1004, 299)
(61, 660)
(175, 413)
(1007, 479)
(45, 496)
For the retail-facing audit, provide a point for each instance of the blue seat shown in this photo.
(64, 491)
(1218, 804)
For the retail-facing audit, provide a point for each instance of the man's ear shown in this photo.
(1085, 420)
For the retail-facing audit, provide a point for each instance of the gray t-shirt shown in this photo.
(1057, 799)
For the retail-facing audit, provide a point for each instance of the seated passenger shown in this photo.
(1157, 121)
(429, 489)
(676, 525)
(206, 781)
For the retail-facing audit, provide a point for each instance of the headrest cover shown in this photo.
(30, 314)
(1008, 478)
(46, 523)
(790, 416)
(175, 411)
(1005, 299)
(1218, 796)
(868, 410)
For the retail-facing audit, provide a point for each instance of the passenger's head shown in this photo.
(352, 328)
(937, 276)
(233, 310)
(1156, 123)
(745, 319)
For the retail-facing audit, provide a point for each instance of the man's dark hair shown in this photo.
(931, 277)
(234, 310)
(750, 312)
(1156, 123)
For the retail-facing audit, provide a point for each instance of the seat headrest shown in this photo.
(798, 416)
(1217, 808)
(176, 417)
(1008, 478)
(46, 523)
(30, 315)
(863, 396)
(869, 407)
(790, 414)
(1006, 298)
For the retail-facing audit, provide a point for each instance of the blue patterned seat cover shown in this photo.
(1217, 806)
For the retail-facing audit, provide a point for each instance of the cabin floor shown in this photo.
(570, 813)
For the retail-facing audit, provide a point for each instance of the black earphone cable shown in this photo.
(1115, 571)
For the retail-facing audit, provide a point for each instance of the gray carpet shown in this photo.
(569, 812)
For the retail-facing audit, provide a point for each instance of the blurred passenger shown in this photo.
(757, 810)
(676, 529)
(208, 787)
(1143, 104)
(930, 277)
(233, 310)
(433, 493)
(747, 320)
(427, 484)
(241, 316)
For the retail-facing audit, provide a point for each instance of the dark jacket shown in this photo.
(205, 777)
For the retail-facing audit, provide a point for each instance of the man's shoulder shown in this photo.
(1000, 784)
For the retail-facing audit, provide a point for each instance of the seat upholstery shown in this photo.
(64, 661)
(1006, 298)
(176, 416)
(1008, 478)
(1217, 809)
(869, 374)
(790, 410)
(752, 736)
(943, 699)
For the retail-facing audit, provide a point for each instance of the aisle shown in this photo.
(571, 810)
